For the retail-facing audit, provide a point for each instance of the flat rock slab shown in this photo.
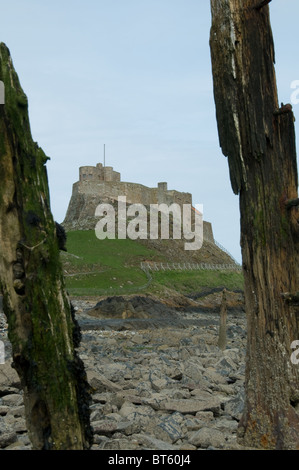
(8, 376)
(108, 427)
(192, 406)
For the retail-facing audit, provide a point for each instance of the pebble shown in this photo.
(168, 388)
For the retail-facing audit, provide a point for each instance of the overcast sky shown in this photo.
(134, 75)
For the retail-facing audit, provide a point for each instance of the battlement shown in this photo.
(98, 173)
(105, 183)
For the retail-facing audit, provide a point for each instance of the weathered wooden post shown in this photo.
(257, 135)
(41, 327)
(222, 323)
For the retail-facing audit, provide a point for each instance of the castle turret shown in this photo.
(98, 173)
(88, 173)
(162, 186)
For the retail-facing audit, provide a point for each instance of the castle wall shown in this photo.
(105, 182)
(172, 196)
(208, 232)
(134, 192)
(100, 184)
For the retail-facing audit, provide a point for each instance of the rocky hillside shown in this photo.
(173, 251)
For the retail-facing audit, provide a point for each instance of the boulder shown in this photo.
(170, 428)
(8, 376)
(141, 307)
(207, 437)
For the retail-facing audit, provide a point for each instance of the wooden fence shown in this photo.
(153, 266)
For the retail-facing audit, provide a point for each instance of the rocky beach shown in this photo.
(158, 379)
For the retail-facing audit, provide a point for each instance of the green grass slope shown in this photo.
(95, 267)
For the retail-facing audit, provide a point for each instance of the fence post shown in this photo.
(222, 327)
(2, 353)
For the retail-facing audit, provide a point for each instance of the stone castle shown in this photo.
(98, 184)
(107, 183)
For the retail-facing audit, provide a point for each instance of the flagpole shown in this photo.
(104, 160)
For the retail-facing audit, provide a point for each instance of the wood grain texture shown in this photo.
(259, 142)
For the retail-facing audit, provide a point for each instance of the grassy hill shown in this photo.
(95, 267)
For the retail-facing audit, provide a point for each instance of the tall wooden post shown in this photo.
(222, 337)
(257, 135)
(41, 327)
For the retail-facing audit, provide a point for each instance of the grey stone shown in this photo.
(19, 425)
(12, 400)
(207, 437)
(108, 426)
(192, 406)
(127, 409)
(214, 377)
(7, 438)
(17, 411)
(193, 370)
(100, 383)
(8, 376)
(194, 423)
(153, 443)
(227, 425)
(119, 444)
(205, 416)
(226, 365)
(171, 428)
(129, 396)
(144, 395)
(160, 383)
(4, 410)
(138, 339)
(17, 446)
(235, 406)
(96, 415)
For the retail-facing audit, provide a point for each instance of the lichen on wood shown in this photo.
(41, 324)
(258, 137)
